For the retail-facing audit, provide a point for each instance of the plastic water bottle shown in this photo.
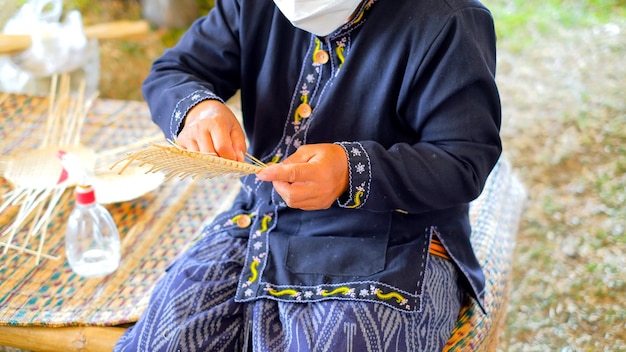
(92, 241)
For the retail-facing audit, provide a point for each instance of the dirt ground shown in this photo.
(564, 131)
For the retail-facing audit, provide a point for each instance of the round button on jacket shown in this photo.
(243, 221)
(321, 56)
(304, 110)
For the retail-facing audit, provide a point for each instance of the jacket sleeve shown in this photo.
(203, 65)
(451, 101)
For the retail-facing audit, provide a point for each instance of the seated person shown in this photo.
(381, 123)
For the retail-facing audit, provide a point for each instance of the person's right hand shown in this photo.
(211, 127)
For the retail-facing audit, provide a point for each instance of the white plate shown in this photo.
(112, 187)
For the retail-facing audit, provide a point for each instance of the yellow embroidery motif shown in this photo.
(342, 289)
(265, 223)
(357, 199)
(358, 19)
(275, 293)
(340, 55)
(390, 295)
(318, 45)
(255, 273)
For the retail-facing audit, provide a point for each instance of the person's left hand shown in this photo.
(312, 178)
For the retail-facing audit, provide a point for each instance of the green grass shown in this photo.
(517, 21)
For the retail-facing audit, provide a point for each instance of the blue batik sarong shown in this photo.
(192, 308)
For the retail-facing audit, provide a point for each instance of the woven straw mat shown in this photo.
(154, 228)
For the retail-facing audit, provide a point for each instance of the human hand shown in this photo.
(312, 178)
(211, 127)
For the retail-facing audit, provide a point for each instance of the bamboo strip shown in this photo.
(28, 251)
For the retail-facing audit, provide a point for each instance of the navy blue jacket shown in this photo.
(408, 90)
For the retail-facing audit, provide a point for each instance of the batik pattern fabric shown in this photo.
(192, 308)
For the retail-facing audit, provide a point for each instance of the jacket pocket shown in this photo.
(336, 256)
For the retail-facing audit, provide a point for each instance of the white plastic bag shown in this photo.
(57, 46)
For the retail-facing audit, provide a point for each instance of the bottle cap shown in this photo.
(85, 195)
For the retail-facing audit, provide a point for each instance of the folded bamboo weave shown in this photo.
(177, 162)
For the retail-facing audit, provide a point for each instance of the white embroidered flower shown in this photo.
(308, 294)
(360, 168)
(304, 90)
(355, 152)
(258, 245)
(297, 143)
(195, 97)
(178, 114)
(364, 293)
(310, 78)
(248, 292)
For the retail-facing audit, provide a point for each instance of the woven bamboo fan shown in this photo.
(174, 161)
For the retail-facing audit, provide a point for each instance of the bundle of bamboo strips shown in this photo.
(34, 174)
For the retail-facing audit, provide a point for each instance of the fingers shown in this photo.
(303, 195)
(222, 142)
(187, 143)
(282, 172)
(238, 138)
(211, 127)
(312, 178)
(293, 169)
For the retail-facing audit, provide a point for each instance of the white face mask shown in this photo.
(320, 17)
